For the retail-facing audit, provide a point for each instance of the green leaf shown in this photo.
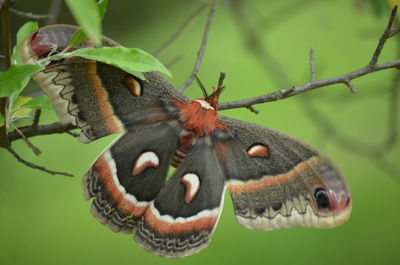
(16, 110)
(14, 80)
(86, 13)
(23, 32)
(40, 102)
(1, 120)
(128, 59)
(79, 35)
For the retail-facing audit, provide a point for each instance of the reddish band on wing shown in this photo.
(127, 203)
(112, 123)
(238, 186)
(165, 224)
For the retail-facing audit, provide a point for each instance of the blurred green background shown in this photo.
(44, 220)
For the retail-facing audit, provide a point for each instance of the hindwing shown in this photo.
(277, 181)
(130, 173)
(181, 219)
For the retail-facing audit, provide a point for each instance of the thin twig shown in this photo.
(388, 33)
(312, 65)
(181, 29)
(252, 109)
(202, 49)
(34, 125)
(34, 166)
(36, 118)
(34, 149)
(29, 15)
(350, 86)
(222, 76)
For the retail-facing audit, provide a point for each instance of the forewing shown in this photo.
(182, 218)
(97, 97)
(129, 174)
(277, 181)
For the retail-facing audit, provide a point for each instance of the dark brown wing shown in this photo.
(97, 97)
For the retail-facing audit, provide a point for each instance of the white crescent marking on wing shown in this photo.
(147, 157)
(127, 196)
(192, 184)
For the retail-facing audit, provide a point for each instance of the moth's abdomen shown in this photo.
(186, 141)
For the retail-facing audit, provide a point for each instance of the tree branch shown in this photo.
(346, 79)
(47, 129)
(202, 49)
(289, 92)
(245, 103)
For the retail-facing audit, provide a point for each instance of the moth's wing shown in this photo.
(129, 174)
(181, 219)
(277, 181)
(94, 96)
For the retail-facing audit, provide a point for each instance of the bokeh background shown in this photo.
(44, 220)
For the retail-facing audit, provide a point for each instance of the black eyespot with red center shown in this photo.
(322, 199)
